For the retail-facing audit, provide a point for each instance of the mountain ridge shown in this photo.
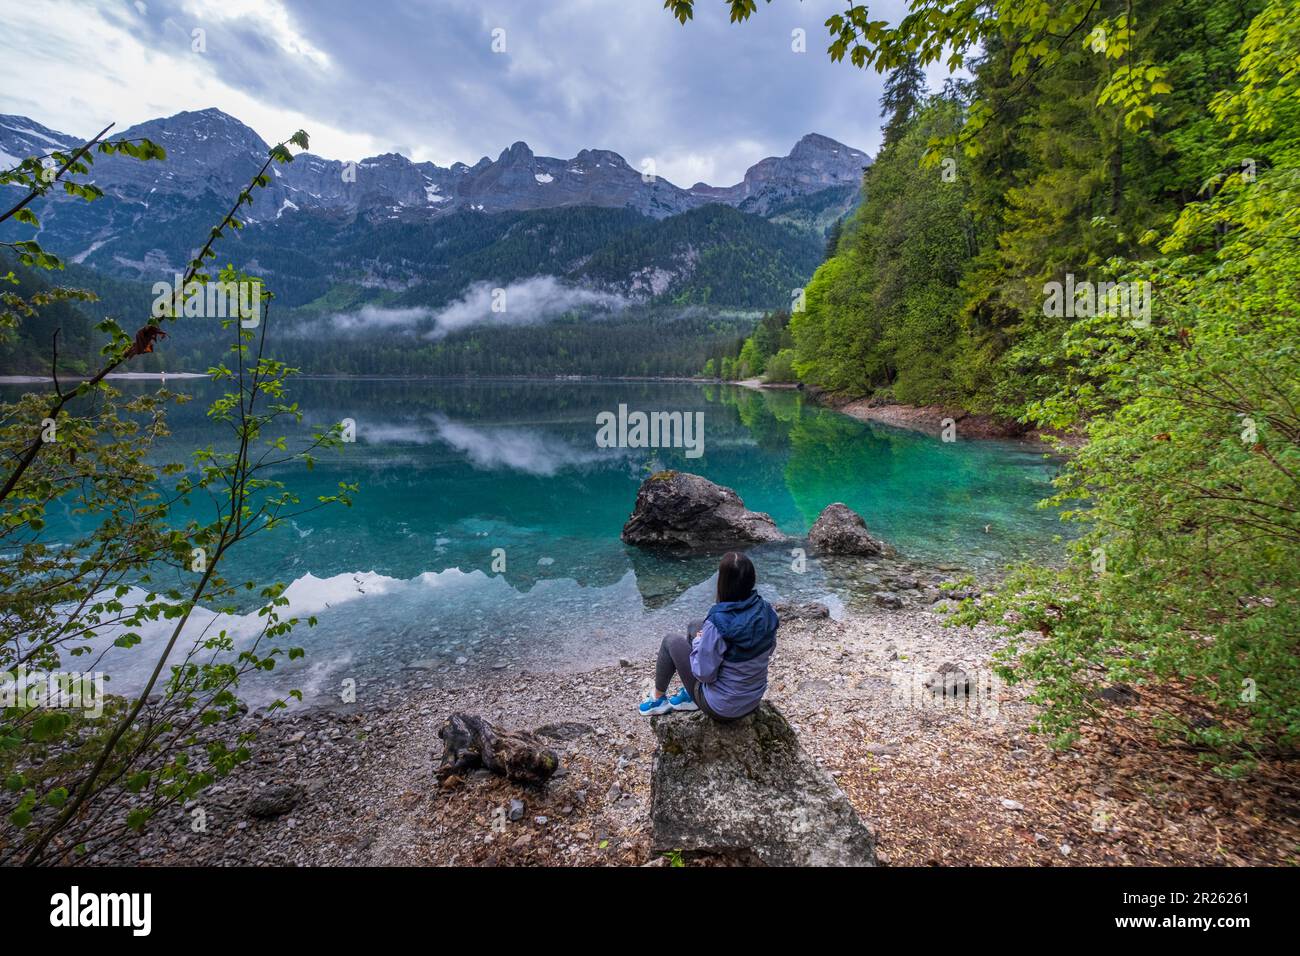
(403, 234)
(216, 145)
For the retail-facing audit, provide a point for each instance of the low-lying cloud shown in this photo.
(371, 318)
(527, 301)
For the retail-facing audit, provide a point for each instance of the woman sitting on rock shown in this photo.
(722, 661)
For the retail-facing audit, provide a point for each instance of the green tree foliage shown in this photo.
(32, 310)
(1152, 142)
(1190, 477)
(882, 313)
(780, 368)
(904, 95)
(75, 778)
(750, 356)
(833, 239)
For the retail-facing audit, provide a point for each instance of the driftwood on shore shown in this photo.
(470, 742)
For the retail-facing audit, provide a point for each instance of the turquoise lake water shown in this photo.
(403, 583)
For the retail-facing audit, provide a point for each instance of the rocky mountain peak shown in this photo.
(599, 156)
(196, 127)
(812, 143)
(211, 152)
(816, 162)
(517, 153)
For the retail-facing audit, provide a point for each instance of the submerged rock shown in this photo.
(747, 789)
(662, 577)
(675, 509)
(840, 530)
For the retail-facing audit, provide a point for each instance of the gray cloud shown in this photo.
(527, 301)
(524, 302)
(705, 100)
(370, 318)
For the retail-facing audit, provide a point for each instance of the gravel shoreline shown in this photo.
(937, 784)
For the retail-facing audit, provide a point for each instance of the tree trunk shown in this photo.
(470, 742)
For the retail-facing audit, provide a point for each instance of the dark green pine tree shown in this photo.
(905, 92)
(833, 238)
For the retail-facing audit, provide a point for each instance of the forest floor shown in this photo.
(937, 785)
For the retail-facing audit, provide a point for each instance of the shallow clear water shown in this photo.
(450, 471)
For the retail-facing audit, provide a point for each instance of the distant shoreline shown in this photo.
(118, 376)
(762, 386)
(155, 376)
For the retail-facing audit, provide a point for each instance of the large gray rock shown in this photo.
(801, 610)
(748, 789)
(840, 530)
(274, 801)
(675, 509)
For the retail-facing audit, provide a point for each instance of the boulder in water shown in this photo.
(675, 509)
(840, 530)
(746, 789)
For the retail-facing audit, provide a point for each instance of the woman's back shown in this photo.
(723, 662)
(732, 653)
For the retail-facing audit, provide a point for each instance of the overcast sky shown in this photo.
(420, 77)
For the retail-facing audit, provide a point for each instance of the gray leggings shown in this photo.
(675, 656)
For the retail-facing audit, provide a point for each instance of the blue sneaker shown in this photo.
(649, 707)
(682, 701)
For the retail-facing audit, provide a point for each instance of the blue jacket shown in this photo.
(748, 626)
(731, 653)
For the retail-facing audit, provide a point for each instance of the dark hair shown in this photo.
(735, 577)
